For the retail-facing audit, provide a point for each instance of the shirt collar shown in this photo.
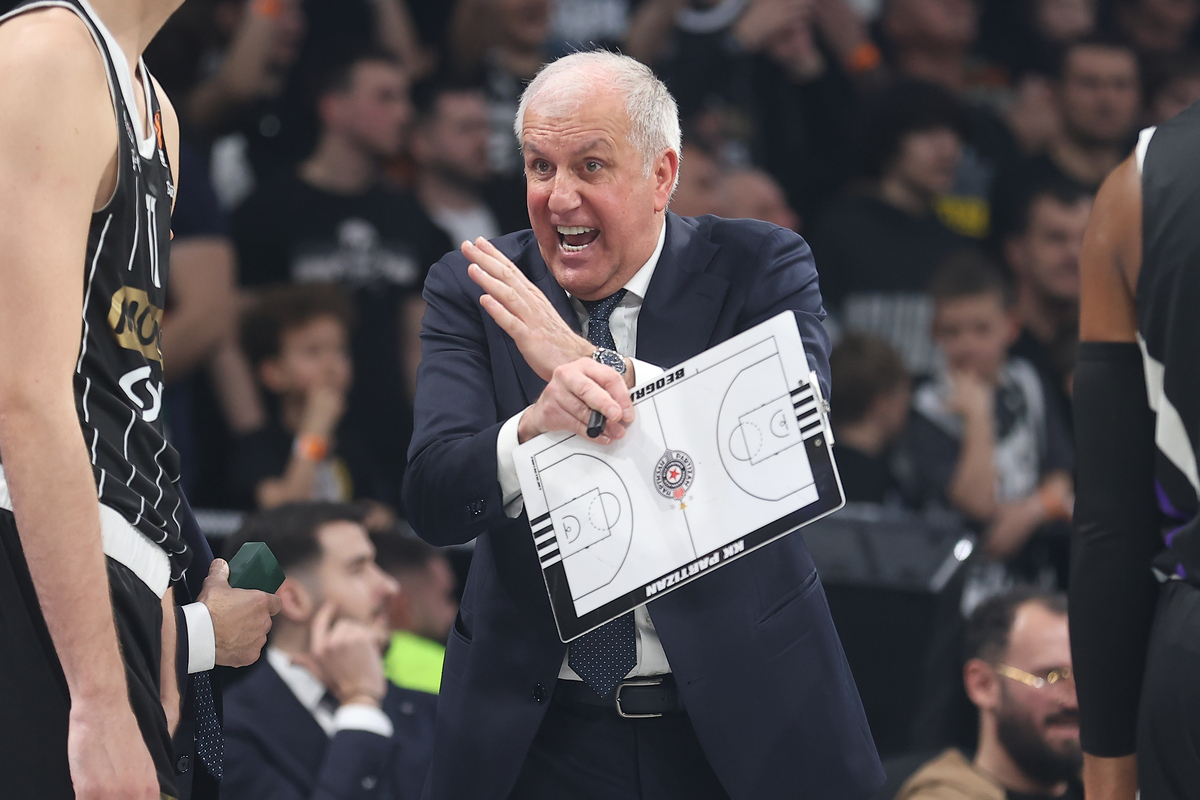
(308, 690)
(640, 282)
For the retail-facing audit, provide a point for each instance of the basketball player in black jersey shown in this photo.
(90, 525)
(1135, 573)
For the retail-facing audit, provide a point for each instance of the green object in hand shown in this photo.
(255, 567)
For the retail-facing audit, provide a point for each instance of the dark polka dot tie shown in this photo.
(603, 657)
(210, 744)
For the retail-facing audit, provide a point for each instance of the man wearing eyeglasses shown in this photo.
(1018, 674)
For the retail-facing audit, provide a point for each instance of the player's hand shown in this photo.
(567, 401)
(522, 311)
(323, 409)
(241, 617)
(106, 753)
(348, 656)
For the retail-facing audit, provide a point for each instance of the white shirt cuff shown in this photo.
(644, 371)
(506, 467)
(359, 717)
(202, 639)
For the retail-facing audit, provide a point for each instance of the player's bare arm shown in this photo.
(1109, 264)
(54, 170)
(1111, 258)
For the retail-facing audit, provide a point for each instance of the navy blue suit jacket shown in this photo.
(752, 646)
(275, 750)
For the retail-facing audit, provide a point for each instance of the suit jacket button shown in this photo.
(182, 765)
(369, 782)
(539, 693)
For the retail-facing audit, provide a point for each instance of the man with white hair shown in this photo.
(730, 687)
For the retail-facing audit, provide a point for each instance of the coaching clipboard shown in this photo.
(730, 450)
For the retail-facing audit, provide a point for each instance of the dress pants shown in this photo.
(589, 753)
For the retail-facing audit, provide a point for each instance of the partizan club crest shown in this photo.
(673, 474)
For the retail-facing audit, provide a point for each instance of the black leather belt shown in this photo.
(636, 698)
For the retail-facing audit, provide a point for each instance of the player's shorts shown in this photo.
(1168, 745)
(34, 701)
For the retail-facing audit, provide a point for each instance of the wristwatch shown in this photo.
(609, 358)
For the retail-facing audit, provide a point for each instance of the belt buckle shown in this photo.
(651, 681)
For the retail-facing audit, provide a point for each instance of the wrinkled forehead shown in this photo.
(574, 123)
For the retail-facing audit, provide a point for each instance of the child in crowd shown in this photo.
(869, 406)
(296, 338)
(983, 438)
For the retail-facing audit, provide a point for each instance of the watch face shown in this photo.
(610, 358)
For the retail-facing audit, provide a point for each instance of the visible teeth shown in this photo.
(570, 248)
(573, 231)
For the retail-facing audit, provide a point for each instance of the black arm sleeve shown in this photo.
(1112, 590)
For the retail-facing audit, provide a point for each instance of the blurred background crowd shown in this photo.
(939, 156)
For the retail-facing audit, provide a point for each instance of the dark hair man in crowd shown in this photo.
(421, 613)
(333, 221)
(317, 718)
(1042, 252)
(741, 677)
(877, 251)
(454, 181)
(1098, 96)
(872, 393)
(1018, 674)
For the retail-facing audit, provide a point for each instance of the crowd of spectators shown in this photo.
(940, 156)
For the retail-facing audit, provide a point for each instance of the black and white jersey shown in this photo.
(119, 373)
(1168, 295)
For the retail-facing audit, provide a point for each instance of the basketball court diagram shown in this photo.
(717, 450)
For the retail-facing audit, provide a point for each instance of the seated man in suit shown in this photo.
(316, 718)
(739, 677)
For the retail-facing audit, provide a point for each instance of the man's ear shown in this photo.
(665, 172)
(982, 684)
(297, 602)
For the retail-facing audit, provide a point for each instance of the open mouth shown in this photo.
(574, 239)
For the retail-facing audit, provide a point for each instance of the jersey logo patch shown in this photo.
(136, 322)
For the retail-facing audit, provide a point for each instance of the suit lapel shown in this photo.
(682, 303)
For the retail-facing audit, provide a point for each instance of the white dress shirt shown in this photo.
(651, 660)
(310, 692)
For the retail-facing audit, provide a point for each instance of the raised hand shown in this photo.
(523, 312)
(348, 656)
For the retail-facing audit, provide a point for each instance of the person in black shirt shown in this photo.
(869, 401)
(297, 340)
(334, 221)
(1098, 96)
(1042, 252)
(877, 251)
(984, 439)
(1017, 672)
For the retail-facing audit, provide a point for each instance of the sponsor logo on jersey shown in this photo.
(136, 322)
(143, 392)
(673, 474)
